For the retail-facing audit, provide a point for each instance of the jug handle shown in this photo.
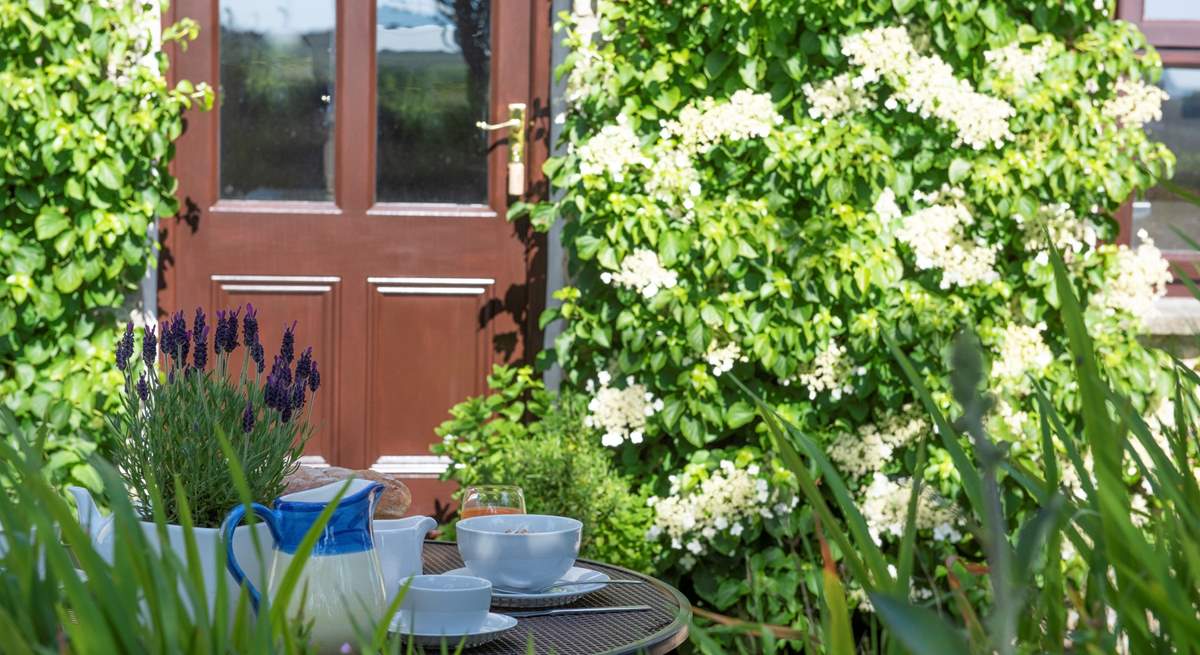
(227, 529)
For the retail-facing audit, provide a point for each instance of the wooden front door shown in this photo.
(340, 181)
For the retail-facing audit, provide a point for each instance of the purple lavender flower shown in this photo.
(297, 399)
(248, 417)
(314, 378)
(260, 359)
(149, 346)
(231, 330)
(200, 358)
(287, 349)
(286, 414)
(167, 342)
(219, 335)
(250, 328)
(180, 339)
(277, 392)
(200, 331)
(125, 347)
(304, 365)
(143, 389)
(270, 392)
(184, 343)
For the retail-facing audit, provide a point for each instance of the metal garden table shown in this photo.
(659, 630)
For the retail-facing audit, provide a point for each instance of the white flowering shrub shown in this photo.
(762, 191)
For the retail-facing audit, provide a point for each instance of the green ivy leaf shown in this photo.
(8, 319)
(68, 278)
(739, 414)
(902, 6)
(106, 174)
(50, 222)
(715, 63)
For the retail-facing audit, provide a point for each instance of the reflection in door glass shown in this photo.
(1171, 10)
(433, 58)
(1180, 130)
(277, 63)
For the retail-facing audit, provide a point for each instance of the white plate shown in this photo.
(493, 626)
(553, 597)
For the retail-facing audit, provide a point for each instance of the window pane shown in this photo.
(277, 63)
(433, 58)
(1171, 10)
(1180, 130)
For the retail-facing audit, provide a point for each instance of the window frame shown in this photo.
(1161, 33)
(1178, 45)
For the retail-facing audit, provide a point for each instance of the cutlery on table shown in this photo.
(579, 610)
(521, 592)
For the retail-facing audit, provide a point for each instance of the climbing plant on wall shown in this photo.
(87, 121)
(766, 189)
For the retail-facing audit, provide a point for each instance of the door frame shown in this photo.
(524, 27)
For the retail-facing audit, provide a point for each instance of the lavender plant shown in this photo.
(173, 408)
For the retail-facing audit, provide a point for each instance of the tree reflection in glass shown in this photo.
(276, 99)
(433, 58)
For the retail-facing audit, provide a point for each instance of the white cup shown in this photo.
(444, 605)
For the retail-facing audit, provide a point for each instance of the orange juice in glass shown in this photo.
(483, 500)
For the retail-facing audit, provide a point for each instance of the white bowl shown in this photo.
(445, 605)
(519, 551)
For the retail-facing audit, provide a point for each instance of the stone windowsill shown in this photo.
(1175, 316)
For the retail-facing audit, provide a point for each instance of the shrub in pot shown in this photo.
(165, 441)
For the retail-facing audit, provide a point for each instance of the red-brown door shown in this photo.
(340, 181)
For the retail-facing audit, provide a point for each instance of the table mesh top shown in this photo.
(657, 630)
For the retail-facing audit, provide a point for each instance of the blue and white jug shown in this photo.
(341, 585)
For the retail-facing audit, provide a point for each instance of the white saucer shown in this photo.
(553, 597)
(493, 626)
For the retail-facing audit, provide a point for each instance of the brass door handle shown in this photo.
(516, 145)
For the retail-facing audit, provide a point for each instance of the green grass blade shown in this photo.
(872, 561)
(921, 631)
(972, 483)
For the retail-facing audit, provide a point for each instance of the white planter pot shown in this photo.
(208, 543)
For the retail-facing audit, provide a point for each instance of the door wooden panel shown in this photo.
(310, 301)
(416, 374)
(406, 305)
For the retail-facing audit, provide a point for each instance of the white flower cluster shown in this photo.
(722, 359)
(589, 69)
(926, 85)
(869, 448)
(1021, 350)
(621, 413)
(727, 501)
(674, 180)
(1013, 418)
(1135, 104)
(937, 236)
(885, 508)
(611, 151)
(1018, 64)
(700, 127)
(886, 208)
(835, 97)
(1070, 234)
(1139, 277)
(642, 272)
(829, 372)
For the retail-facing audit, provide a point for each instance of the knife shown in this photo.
(579, 610)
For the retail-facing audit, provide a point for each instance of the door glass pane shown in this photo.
(276, 97)
(1171, 10)
(433, 58)
(1180, 130)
